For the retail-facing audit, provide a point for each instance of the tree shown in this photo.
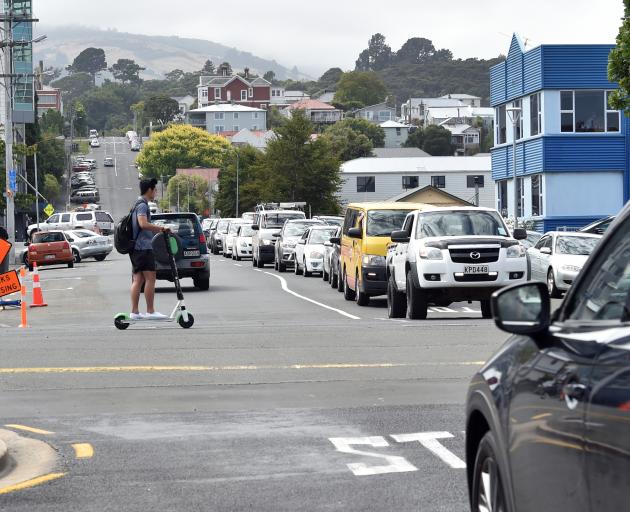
(296, 168)
(249, 194)
(50, 75)
(51, 189)
(90, 61)
(274, 118)
(126, 70)
(225, 68)
(208, 67)
(372, 131)
(438, 141)
(363, 86)
(619, 65)
(51, 157)
(175, 75)
(181, 146)
(330, 78)
(415, 139)
(346, 143)
(101, 104)
(52, 122)
(378, 55)
(190, 193)
(80, 119)
(415, 51)
(270, 76)
(161, 108)
(73, 86)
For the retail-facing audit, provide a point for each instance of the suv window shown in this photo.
(84, 216)
(65, 217)
(604, 292)
(53, 219)
(103, 217)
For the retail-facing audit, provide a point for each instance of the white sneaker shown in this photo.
(136, 316)
(155, 316)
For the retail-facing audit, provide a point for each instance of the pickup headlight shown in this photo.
(516, 251)
(570, 268)
(430, 253)
(316, 256)
(373, 260)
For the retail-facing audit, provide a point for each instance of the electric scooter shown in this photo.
(165, 247)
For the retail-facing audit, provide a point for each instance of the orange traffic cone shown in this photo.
(38, 297)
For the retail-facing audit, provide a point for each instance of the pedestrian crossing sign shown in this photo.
(49, 210)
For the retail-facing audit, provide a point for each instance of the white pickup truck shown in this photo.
(445, 255)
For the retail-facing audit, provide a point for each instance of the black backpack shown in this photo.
(123, 232)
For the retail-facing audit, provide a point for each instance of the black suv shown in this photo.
(548, 416)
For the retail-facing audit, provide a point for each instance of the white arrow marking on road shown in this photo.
(285, 287)
(430, 441)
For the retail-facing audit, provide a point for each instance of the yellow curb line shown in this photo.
(83, 450)
(31, 483)
(33, 430)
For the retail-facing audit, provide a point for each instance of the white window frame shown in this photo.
(572, 111)
(235, 115)
(518, 103)
(204, 92)
(217, 93)
(250, 92)
(236, 128)
(219, 128)
(219, 116)
(541, 208)
(606, 93)
(521, 205)
(243, 95)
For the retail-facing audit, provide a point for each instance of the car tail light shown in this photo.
(202, 238)
(66, 246)
(197, 264)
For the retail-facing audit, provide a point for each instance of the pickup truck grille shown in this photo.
(486, 255)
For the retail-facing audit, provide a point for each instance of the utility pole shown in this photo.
(8, 125)
(36, 189)
(237, 168)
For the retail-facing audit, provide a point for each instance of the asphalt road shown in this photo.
(283, 396)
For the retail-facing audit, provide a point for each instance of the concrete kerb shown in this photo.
(4, 455)
(24, 458)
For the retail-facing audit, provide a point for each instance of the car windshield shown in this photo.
(319, 236)
(383, 222)
(296, 228)
(576, 245)
(277, 220)
(246, 230)
(46, 238)
(461, 223)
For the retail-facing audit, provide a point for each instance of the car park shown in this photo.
(559, 256)
(287, 239)
(310, 249)
(195, 262)
(267, 224)
(230, 235)
(108, 161)
(546, 415)
(88, 244)
(243, 242)
(49, 248)
(451, 254)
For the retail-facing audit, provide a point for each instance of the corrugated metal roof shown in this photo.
(310, 105)
(399, 153)
(393, 124)
(227, 107)
(419, 164)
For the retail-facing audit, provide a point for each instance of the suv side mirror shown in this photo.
(522, 308)
(400, 237)
(355, 233)
(520, 234)
(545, 250)
(327, 243)
(255, 227)
(335, 240)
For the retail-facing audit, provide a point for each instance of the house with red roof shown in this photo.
(317, 111)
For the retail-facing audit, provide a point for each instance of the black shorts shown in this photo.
(142, 261)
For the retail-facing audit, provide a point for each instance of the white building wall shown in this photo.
(395, 141)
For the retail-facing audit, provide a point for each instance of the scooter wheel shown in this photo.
(120, 323)
(183, 323)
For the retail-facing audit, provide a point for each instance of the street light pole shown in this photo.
(515, 114)
(237, 168)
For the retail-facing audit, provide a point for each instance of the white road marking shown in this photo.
(285, 287)
(395, 463)
(237, 265)
(58, 289)
(44, 278)
(430, 441)
(466, 309)
(436, 309)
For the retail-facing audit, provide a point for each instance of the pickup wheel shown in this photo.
(416, 301)
(361, 298)
(396, 301)
(486, 309)
(296, 268)
(306, 272)
(348, 293)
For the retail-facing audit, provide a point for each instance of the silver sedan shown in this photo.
(87, 244)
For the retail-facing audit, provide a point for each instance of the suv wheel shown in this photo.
(361, 298)
(486, 309)
(416, 301)
(201, 283)
(296, 268)
(554, 293)
(333, 279)
(348, 293)
(306, 271)
(488, 492)
(396, 301)
(340, 283)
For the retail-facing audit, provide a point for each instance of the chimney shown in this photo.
(246, 70)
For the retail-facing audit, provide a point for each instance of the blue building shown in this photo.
(572, 149)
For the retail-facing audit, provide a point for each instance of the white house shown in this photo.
(395, 133)
(258, 139)
(466, 99)
(228, 117)
(184, 102)
(378, 179)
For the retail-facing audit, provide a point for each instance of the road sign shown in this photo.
(9, 283)
(12, 180)
(49, 210)
(5, 247)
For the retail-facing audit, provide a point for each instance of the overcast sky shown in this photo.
(326, 33)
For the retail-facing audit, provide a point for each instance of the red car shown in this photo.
(49, 248)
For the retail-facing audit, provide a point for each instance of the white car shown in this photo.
(95, 143)
(310, 250)
(97, 221)
(242, 247)
(222, 232)
(87, 244)
(558, 257)
(93, 133)
(231, 234)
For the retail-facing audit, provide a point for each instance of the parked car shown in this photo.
(243, 242)
(267, 225)
(365, 237)
(230, 235)
(329, 255)
(451, 254)
(216, 242)
(88, 244)
(224, 233)
(335, 262)
(84, 196)
(310, 249)
(195, 262)
(331, 220)
(598, 227)
(248, 216)
(531, 240)
(558, 257)
(49, 248)
(287, 239)
(94, 220)
(135, 145)
(108, 161)
(547, 414)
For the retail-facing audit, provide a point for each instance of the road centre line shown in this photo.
(83, 450)
(285, 287)
(156, 369)
(32, 430)
(31, 483)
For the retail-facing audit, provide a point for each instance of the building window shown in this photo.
(520, 194)
(535, 114)
(566, 111)
(369, 115)
(409, 182)
(438, 181)
(366, 184)
(502, 199)
(537, 198)
(204, 93)
(518, 104)
(255, 115)
(219, 129)
(501, 137)
(243, 95)
(219, 116)
(254, 127)
(236, 128)
(250, 92)
(472, 138)
(217, 93)
(384, 115)
(398, 132)
(471, 180)
(612, 116)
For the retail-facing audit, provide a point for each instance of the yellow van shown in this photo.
(366, 234)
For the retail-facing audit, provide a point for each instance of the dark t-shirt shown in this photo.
(143, 237)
